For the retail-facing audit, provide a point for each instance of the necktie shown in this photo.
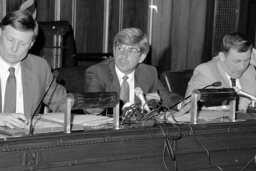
(10, 93)
(233, 82)
(125, 90)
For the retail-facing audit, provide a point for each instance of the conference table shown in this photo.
(161, 146)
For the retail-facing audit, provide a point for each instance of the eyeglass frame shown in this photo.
(131, 49)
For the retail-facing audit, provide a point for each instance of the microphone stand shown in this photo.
(31, 128)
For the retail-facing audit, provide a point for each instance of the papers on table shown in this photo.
(56, 120)
(205, 116)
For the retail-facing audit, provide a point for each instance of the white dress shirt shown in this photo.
(4, 74)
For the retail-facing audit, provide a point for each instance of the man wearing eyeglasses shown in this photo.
(126, 71)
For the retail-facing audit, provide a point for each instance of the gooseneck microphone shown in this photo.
(215, 84)
(31, 128)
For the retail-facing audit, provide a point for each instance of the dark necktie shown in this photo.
(125, 90)
(10, 93)
(233, 82)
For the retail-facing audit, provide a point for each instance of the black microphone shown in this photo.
(31, 128)
(215, 84)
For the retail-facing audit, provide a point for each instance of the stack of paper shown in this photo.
(84, 120)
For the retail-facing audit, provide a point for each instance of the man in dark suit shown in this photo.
(130, 49)
(32, 76)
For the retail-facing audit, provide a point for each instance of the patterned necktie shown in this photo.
(233, 82)
(125, 90)
(10, 93)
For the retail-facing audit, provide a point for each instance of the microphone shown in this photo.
(31, 128)
(215, 84)
(243, 93)
(139, 93)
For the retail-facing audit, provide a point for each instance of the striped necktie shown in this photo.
(10, 93)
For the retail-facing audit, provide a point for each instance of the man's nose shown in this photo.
(125, 52)
(14, 47)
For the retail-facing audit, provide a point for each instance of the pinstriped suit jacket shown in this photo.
(36, 78)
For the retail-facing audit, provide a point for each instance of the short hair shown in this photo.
(236, 41)
(21, 20)
(132, 37)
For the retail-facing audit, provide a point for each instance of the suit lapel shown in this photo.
(28, 87)
(247, 80)
(140, 81)
(114, 84)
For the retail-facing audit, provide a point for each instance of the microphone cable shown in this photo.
(31, 127)
(205, 149)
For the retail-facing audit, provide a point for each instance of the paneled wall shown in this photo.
(181, 32)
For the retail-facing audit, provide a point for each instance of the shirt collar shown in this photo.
(120, 74)
(5, 66)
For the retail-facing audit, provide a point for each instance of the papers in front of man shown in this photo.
(56, 120)
(204, 116)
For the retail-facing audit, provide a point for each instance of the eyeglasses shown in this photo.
(131, 50)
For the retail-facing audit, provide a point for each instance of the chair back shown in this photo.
(176, 81)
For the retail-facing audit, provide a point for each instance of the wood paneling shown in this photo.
(12, 5)
(113, 22)
(182, 30)
(193, 147)
(161, 36)
(66, 10)
(89, 28)
(136, 14)
(45, 10)
(187, 33)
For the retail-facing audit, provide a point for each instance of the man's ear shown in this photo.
(222, 56)
(32, 44)
(142, 57)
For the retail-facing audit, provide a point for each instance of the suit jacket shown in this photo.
(212, 71)
(36, 78)
(102, 77)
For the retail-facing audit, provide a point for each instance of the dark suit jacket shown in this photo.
(102, 77)
(36, 78)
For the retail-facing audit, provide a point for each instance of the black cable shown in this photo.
(136, 114)
(168, 146)
(205, 149)
(249, 162)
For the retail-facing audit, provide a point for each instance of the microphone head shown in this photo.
(138, 91)
(216, 84)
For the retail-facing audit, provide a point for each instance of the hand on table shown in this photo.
(153, 96)
(13, 120)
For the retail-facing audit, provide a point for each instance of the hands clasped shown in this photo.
(13, 120)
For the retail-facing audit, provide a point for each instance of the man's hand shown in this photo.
(253, 57)
(13, 120)
(154, 96)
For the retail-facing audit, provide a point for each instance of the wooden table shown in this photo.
(230, 146)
